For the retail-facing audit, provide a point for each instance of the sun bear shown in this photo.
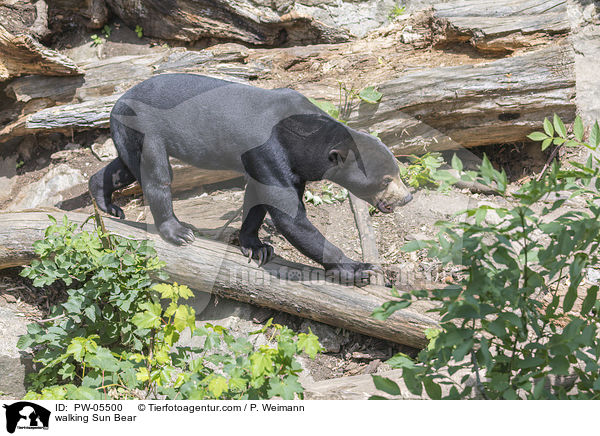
(277, 138)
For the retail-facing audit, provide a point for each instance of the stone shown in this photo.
(47, 191)
(14, 364)
(104, 149)
(593, 276)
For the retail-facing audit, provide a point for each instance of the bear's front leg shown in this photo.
(252, 246)
(303, 235)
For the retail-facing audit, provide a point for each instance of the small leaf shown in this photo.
(370, 95)
(414, 246)
(578, 128)
(457, 163)
(559, 127)
(537, 136)
(327, 107)
(217, 386)
(548, 127)
(261, 364)
(413, 384)
(386, 385)
(546, 143)
(400, 360)
(594, 139)
(589, 300)
(433, 389)
(309, 343)
(185, 316)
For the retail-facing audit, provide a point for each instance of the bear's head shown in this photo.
(362, 164)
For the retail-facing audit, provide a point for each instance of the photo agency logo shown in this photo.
(278, 149)
(24, 415)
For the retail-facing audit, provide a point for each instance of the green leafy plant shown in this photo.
(397, 11)
(19, 164)
(115, 337)
(328, 195)
(422, 170)
(348, 99)
(496, 326)
(97, 40)
(139, 31)
(106, 30)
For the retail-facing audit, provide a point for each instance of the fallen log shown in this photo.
(447, 108)
(85, 103)
(431, 109)
(212, 266)
(22, 54)
(185, 178)
(499, 28)
(247, 21)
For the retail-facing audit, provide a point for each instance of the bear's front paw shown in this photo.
(176, 233)
(352, 273)
(258, 250)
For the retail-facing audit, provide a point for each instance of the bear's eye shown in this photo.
(387, 180)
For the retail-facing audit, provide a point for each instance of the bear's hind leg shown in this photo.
(156, 176)
(106, 181)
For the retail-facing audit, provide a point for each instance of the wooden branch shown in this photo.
(212, 266)
(366, 232)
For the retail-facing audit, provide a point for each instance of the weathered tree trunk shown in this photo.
(466, 106)
(499, 27)
(22, 54)
(186, 178)
(431, 109)
(212, 266)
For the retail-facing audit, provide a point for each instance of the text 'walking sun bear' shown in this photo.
(277, 138)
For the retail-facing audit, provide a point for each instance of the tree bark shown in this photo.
(22, 54)
(472, 105)
(499, 28)
(241, 20)
(211, 266)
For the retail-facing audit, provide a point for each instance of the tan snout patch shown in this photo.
(395, 194)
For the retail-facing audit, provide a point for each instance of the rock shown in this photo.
(372, 367)
(328, 336)
(14, 364)
(491, 217)
(47, 191)
(593, 275)
(361, 387)
(501, 28)
(8, 172)
(104, 149)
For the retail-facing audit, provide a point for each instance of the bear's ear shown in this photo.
(338, 156)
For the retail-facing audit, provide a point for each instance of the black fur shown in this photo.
(276, 137)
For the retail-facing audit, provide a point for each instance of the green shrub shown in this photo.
(115, 335)
(495, 325)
